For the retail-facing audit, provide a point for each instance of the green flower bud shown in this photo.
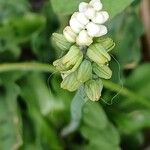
(98, 54)
(93, 89)
(107, 43)
(70, 62)
(83, 39)
(84, 72)
(102, 71)
(69, 34)
(60, 42)
(70, 82)
(59, 65)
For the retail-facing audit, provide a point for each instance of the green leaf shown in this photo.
(112, 6)
(40, 103)
(104, 139)
(10, 122)
(18, 29)
(11, 8)
(115, 7)
(92, 110)
(96, 128)
(26, 25)
(41, 95)
(60, 8)
(8, 43)
(128, 50)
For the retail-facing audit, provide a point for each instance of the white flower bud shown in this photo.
(84, 39)
(82, 18)
(96, 4)
(69, 34)
(103, 30)
(101, 17)
(74, 15)
(75, 25)
(93, 29)
(90, 12)
(83, 6)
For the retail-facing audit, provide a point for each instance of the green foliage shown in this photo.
(131, 117)
(41, 102)
(13, 8)
(17, 29)
(35, 112)
(122, 27)
(113, 7)
(10, 121)
(102, 133)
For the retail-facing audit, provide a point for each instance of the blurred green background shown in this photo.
(33, 107)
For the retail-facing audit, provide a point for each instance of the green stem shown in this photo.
(77, 105)
(27, 66)
(126, 92)
(32, 66)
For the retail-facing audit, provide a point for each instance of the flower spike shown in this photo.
(86, 58)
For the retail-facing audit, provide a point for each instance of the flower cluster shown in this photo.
(85, 60)
(87, 23)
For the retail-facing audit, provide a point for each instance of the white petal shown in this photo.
(83, 6)
(101, 17)
(84, 39)
(69, 34)
(92, 29)
(75, 25)
(97, 5)
(82, 18)
(90, 13)
(103, 30)
(74, 15)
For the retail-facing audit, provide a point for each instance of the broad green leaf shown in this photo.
(127, 50)
(37, 100)
(93, 111)
(101, 139)
(96, 128)
(42, 96)
(10, 122)
(112, 6)
(115, 7)
(70, 7)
